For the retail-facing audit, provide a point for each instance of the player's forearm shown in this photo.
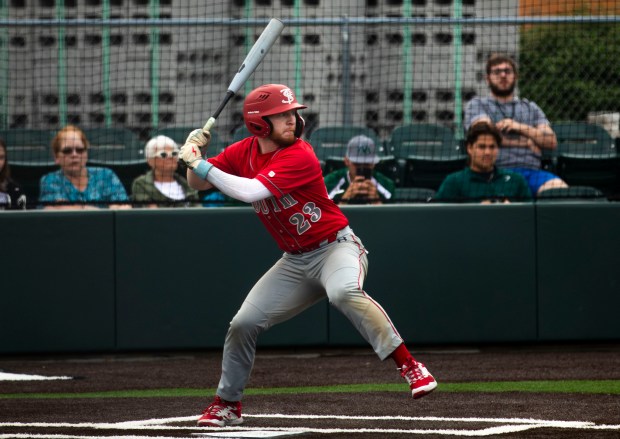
(243, 189)
(205, 176)
(196, 182)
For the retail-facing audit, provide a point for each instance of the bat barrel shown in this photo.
(266, 40)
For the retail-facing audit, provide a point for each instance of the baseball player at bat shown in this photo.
(280, 175)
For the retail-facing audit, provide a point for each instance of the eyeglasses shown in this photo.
(507, 71)
(70, 150)
(165, 155)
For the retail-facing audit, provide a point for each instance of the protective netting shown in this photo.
(125, 70)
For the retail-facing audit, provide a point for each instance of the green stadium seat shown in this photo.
(572, 193)
(413, 195)
(240, 133)
(28, 176)
(428, 153)
(30, 157)
(587, 156)
(28, 145)
(330, 145)
(112, 144)
(330, 142)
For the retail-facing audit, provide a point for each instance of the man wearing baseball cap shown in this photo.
(358, 182)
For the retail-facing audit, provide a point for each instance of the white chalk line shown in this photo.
(511, 425)
(6, 376)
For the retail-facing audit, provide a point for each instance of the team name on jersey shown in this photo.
(274, 205)
(303, 220)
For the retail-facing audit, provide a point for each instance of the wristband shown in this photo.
(202, 169)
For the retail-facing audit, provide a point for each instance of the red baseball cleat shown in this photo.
(420, 380)
(221, 414)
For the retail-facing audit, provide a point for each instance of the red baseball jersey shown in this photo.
(299, 215)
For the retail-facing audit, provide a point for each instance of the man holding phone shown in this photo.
(358, 182)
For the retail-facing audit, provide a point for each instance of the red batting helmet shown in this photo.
(267, 100)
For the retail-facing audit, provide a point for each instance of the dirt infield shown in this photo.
(382, 414)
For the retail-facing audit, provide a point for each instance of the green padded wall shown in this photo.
(449, 273)
(57, 281)
(579, 271)
(173, 278)
(183, 273)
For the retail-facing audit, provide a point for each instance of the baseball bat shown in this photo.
(251, 61)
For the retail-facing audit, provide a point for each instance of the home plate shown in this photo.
(5, 376)
(250, 434)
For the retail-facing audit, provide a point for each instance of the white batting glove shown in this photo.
(191, 152)
(199, 138)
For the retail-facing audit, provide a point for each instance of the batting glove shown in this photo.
(191, 153)
(199, 138)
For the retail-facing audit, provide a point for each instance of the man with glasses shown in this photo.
(525, 129)
(162, 186)
(481, 181)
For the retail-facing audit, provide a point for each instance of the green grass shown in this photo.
(594, 387)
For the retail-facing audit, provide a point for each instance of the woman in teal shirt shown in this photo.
(75, 185)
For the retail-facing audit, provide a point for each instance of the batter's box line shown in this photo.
(511, 425)
(273, 432)
(560, 424)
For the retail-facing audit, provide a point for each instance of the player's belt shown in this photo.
(331, 238)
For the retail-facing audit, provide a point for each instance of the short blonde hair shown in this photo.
(57, 141)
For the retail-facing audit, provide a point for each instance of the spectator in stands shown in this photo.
(11, 194)
(215, 198)
(482, 181)
(162, 186)
(524, 127)
(74, 185)
(358, 182)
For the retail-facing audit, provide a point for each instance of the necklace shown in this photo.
(501, 110)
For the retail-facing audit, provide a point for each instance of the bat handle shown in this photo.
(209, 124)
(211, 121)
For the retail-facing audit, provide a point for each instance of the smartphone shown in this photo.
(364, 172)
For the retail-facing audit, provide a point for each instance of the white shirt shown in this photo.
(171, 189)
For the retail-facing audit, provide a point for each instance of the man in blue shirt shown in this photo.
(524, 127)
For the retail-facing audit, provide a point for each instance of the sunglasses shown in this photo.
(68, 150)
(165, 155)
(497, 72)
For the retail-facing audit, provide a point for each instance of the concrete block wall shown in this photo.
(196, 63)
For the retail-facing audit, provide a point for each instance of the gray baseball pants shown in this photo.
(296, 282)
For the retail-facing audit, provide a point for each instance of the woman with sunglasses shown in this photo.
(162, 186)
(75, 185)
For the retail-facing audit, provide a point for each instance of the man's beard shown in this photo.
(281, 141)
(502, 93)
